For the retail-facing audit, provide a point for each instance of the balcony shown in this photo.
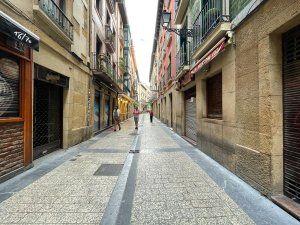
(122, 64)
(111, 5)
(210, 26)
(57, 23)
(169, 75)
(102, 66)
(121, 36)
(183, 60)
(109, 39)
(180, 10)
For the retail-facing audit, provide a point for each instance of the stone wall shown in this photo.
(259, 94)
(11, 148)
(217, 137)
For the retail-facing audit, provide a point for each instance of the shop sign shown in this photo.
(46, 75)
(209, 57)
(17, 32)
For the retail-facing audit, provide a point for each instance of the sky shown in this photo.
(142, 17)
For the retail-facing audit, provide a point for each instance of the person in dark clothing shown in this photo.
(151, 116)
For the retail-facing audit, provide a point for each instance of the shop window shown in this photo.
(214, 96)
(9, 85)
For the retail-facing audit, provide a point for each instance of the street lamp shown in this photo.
(166, 20)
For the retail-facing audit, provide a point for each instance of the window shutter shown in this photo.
(214, 96)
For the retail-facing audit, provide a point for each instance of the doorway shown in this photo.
(48, 117)
(291, 113)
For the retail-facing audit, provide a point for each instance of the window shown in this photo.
(99, 4)
(214, 96)
(9, 85)
(61, 4)
(98, 46)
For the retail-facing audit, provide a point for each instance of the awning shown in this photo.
(121, 95)
(209, 56)
(16, 31)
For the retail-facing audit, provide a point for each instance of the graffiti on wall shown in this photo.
(6, 95)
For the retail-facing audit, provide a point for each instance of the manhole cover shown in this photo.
(109, 170)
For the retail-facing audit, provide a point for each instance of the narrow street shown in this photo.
(164, 180)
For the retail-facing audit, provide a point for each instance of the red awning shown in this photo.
(209, 56)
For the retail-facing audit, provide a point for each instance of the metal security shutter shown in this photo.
(291, 114)
(9, 85)
(47, 126)
(190, 119)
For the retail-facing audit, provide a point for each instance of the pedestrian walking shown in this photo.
(151, 115)
(136, 115)
(116, 117)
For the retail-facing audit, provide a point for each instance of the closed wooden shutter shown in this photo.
(9, 85)
(291, 114)
(214, 96)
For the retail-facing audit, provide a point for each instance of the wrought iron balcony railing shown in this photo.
(57, 16)
(177, 4)
(109, 38)
(183, 57)
(111, 5)
(102, 64)
(212, 14)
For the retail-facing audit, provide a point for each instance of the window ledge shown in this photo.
(212, 120)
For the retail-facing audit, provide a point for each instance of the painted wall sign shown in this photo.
(23, 37)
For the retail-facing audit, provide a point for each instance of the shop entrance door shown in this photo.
(47, 127)
(97, 111)
(107, 111)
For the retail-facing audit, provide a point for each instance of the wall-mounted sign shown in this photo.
(219, 47)
(16, 31)
(187, 78)
(46, 75)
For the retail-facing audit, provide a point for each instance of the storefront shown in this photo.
(104, 101)
(126, 106)
(48, 110)
(16, 44)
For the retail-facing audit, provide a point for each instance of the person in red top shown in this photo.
(136, 115)
(151, 115)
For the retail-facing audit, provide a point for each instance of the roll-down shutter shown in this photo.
(190, 118)
(291, 114)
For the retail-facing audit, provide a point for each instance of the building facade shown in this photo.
(238, 87)
(60, 75)
(143, 97)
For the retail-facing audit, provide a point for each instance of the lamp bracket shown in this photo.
(180, 32)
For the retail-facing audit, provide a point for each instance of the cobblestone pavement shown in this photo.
(167, 181)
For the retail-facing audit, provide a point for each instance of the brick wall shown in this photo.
(11, 148)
